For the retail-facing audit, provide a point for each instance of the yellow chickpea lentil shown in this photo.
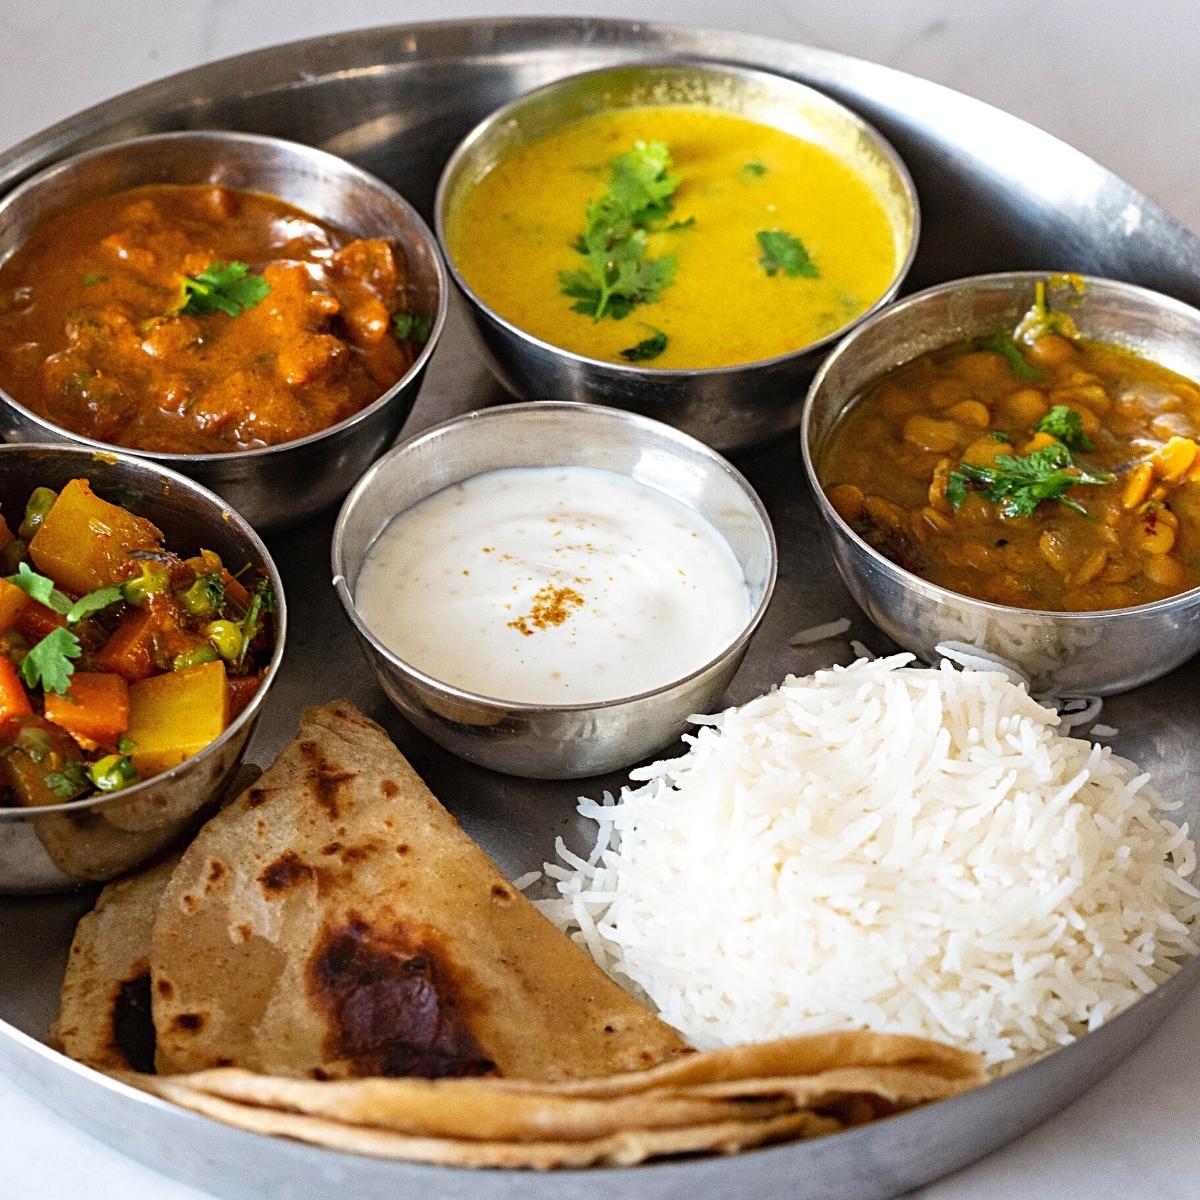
(1138, 539)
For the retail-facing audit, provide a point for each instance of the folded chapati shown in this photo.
(104, 1014)
(335, 921)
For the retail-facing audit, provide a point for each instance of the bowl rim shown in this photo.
(345, 169)
(991, 281)
(675, 438)
(707, 66)
(245, 530)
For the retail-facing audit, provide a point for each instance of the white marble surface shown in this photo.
(1116, 79)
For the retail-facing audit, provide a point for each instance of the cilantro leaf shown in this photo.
(1066, 425)
(674, 226)
(93, 602)
(647, 348)
(619, 275)
(49, 664)
(226, 287)
(783, 252)
(415, 326)
(642, 184)
(753, 170)
(94, 278)
(71, 781)
(1003, 344)
(1020, 484)
(40, 588)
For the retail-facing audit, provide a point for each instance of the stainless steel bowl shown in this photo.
(61, 846)
(1066, 653)
(282, 485)
(553, 741)
(729, 408)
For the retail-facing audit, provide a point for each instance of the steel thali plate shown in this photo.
(996, 193)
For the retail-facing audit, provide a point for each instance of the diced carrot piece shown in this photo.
(173, 716)
(94, 711)
(130, 651)
(235, 590)
(13, 601)
(36, 620)
(84, 539)
(14, 700)
(241, 691)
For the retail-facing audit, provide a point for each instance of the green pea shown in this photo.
(206, 595)
(41, 501)
(112, 772)
(194, 658)
(226, 637)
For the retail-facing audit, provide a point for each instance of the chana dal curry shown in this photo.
(119, 659)
(1035, 469)
(200, 319)
(674, 236)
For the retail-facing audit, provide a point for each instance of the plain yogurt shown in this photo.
(553, 585)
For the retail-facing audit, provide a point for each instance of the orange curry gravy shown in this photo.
(885, 470)
(86, 340)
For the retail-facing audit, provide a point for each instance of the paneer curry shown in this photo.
(118, 658)
(1033, 468)
(200, 319)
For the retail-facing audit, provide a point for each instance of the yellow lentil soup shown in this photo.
(1048, 472)
(772, 242)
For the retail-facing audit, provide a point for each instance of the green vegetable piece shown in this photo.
(226, 287)
(647, 348)
(95, 278)
(752, 171)
(1066, 425)
(1003, 344)
(48, 665)
(415, 327)
(34, 742)
(40, 588)
(13, 555)
(226, 637)
(205, 596)
(73, 780)
(41, 501)
(783, 252)
(126, 745)
(112, 773)
(674, 226)
(998, 436)
(195, 657)
(93, 602)
(1019, 485)
(152, 580)
(619, 274)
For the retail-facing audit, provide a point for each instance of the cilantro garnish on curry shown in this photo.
(118, 658)
(1032, 467)
(201, 319)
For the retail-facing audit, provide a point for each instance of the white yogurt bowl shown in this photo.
(551, 739)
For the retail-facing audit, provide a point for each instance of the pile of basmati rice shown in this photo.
(909, 850)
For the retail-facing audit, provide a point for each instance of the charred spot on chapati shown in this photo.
(132, 1025)
(393, 1003)
(287, 870)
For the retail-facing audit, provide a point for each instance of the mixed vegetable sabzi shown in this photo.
(118, 658)
(1032, 467)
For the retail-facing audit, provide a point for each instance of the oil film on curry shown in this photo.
(873, 884)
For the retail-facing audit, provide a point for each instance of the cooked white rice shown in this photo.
(910, 850)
